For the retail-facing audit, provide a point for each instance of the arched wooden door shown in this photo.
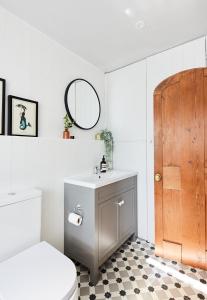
(180, 119)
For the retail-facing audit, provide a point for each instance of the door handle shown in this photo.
(158, 177)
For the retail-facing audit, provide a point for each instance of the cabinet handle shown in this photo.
(121, 203)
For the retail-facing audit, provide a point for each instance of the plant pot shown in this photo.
(66, 134)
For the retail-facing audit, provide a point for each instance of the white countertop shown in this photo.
(98, 180)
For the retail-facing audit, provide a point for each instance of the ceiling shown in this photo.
(114, 33)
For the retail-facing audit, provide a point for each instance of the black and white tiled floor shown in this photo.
(127, 275)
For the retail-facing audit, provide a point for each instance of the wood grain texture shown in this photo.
(206, 207)
(193, 186)
(172, 251)
(172, 212)
(158, 169)
(205, 100)
(171, 178)
(180, 156)
(172, 216)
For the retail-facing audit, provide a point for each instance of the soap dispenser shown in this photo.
(103, 165)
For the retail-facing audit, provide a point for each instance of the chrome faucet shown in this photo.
(97, 171)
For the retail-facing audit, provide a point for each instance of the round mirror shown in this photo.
(82, 104)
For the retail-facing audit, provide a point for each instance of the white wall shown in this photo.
(130, 105)
(126, 94)
(38, 68)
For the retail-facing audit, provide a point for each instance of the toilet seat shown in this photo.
(38, 273)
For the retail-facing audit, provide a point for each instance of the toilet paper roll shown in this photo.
(75, 219)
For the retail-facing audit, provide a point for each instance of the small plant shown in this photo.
(67, 122)
(107, 137)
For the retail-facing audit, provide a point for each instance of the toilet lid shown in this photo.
(40, 272)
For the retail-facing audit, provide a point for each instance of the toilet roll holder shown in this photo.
(78, 210)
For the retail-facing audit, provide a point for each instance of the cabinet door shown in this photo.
(126, 214)
(108, 226)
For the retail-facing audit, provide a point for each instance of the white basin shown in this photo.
(95, 181)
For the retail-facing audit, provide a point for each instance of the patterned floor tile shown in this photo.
(128, 276)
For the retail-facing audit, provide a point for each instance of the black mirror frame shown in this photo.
(2, 103)
(67, 108)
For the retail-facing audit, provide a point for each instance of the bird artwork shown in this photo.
(23, 124)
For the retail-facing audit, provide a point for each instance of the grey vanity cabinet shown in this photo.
(107, 227)
(116, 222)
(127, 214)
(109, 218)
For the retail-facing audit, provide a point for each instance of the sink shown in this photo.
(97, 180)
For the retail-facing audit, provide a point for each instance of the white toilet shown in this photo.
(30, 269)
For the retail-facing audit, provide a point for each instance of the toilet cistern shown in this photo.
(29, 268)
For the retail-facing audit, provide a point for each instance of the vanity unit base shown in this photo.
(109, 219)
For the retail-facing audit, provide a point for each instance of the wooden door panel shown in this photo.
(158, 169)
(192, 175)
(171, 163)
(171, 178)
(172, 251)
(171, 116)
(180, 157)
(206, 208)
(172, 216)
(205, 100)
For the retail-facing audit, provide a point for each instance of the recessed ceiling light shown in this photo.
(140, 24)
(128, 12)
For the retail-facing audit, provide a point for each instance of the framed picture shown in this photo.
(2, 105)
(22, 117)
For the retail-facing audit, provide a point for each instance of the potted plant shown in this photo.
(107, 137)
(67, 124)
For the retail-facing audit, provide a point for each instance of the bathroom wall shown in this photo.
(126, 94)
(38, 68)
(129, 94)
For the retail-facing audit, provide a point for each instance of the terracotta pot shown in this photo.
(66, 134)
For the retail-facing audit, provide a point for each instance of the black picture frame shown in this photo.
(2, 105)
(11, 100)
(67, 107)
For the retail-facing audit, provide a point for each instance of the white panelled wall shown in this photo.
(126, 93)
(130, 117)
(38, 68)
